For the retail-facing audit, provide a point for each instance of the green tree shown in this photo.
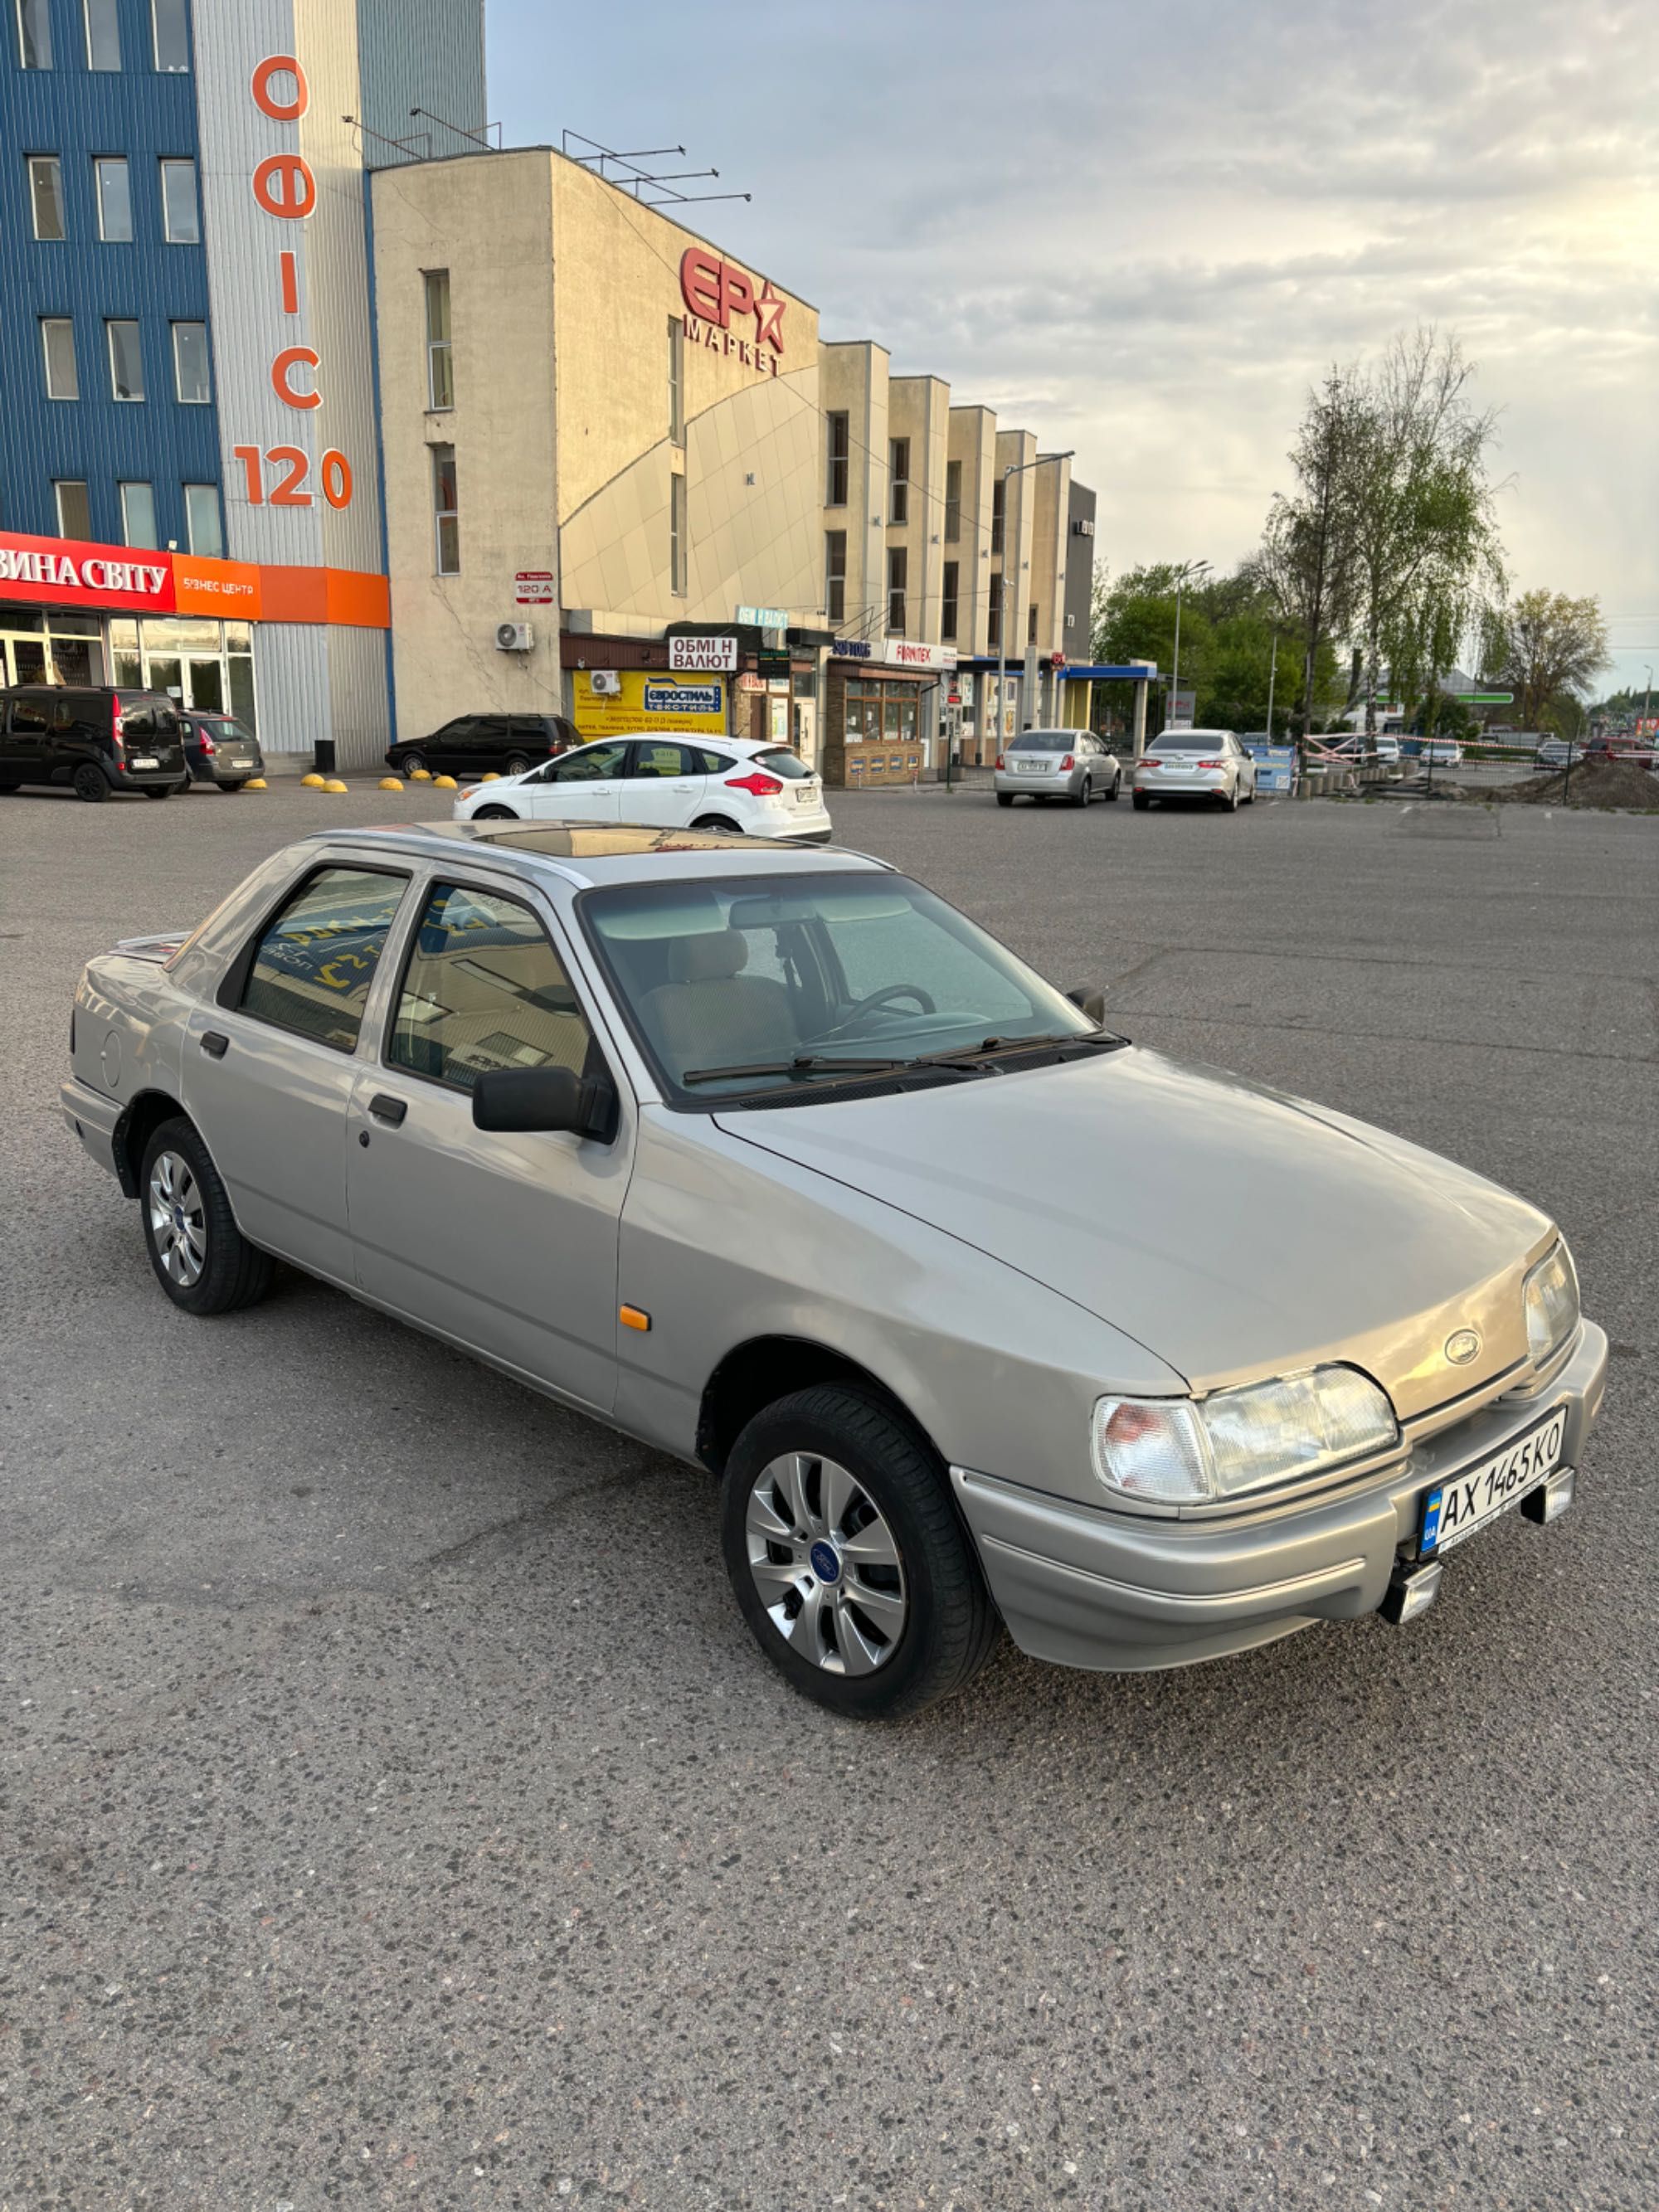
(1546, 649)
(1306, 557)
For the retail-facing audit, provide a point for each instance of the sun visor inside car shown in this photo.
(828, 902)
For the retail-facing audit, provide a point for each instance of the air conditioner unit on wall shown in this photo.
(605, 683)
(515, 637)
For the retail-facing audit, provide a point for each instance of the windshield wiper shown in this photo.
(968, 1052)
(804, 1064)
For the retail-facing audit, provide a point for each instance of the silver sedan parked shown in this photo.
(1068, 764)
(1195, 764)
(771, 1159)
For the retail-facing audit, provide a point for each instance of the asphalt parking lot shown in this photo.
(394, 1810)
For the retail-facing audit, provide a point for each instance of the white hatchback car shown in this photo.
(682, 781)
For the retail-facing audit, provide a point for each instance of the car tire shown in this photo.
(1005, 798)
(931, 1622)
(1084, 795)
(517, 764)
(719, 825)
(91, 784)
(160, 790)
(411, 762)
(1141, 801)
(230, 788)
(1249, 796)
(493, 814)
(1117, 786)
(201, 1260)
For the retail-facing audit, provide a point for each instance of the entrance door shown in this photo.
(204, 686)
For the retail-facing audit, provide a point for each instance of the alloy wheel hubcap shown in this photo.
(178, 1221)
(826, 1565)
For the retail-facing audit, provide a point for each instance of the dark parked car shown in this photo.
(92, 737)
(220, 750)
(473, 743)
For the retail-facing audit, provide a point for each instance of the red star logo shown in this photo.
(768, 318)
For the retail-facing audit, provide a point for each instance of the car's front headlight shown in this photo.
(1193, 1452)
(1551, 1293)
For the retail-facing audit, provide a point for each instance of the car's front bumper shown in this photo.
(1090, 1587)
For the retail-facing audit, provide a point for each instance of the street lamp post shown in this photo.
(1014, 469)
(1184, 575)
(1273, 671)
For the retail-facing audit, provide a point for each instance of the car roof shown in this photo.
(611, 853)
(688, 737)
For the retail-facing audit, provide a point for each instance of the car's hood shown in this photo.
(1232, 1231)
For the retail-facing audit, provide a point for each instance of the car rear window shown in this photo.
(781, 761)
(1039, 741)
(1184, 744)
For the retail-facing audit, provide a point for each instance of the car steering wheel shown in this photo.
(925, 1000)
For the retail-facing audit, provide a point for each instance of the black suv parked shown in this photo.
(92, 737)
(474, 742)
(218, 749)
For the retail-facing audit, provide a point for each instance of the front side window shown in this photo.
(103, 35)
(898, 480)
(190, 364)
(840, 448)
(485, 989)
(738, 973)
(114, 201)
(445, 515)
(203, 526)
(834, 574)
(171, 32)
(181, 214)
(34, 33)
(126, 361)
(311, 969)
(677, 534)
(591, 765)
(440, 343)
(897, 564)
(57, 347)
(74, 513)
(138, 514)
(47, 196)
(947, 611)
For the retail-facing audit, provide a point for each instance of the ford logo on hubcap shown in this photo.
(1462, 1346)
(826, 1563)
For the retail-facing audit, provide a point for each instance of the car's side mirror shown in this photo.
(536, 1101)
(1093, 1000)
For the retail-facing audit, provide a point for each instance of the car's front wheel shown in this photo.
(848, 1558)
(493, 814)
(1117, 786)
(201, 1258)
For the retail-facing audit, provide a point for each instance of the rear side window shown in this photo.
(485, 989)
(781, 761)
(312, 968)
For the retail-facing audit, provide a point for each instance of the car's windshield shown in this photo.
(1043, 741)
(789, 980)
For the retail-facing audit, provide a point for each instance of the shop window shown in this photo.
(181, 214)
(676, 381)
(34, 33)
(440, 343)
(138, 514)
(834, 574)
(170, 30)
(445, 514)
(947, 611)
(203, 528)
(103, 35)
(74, 513)
(126, 361)
(190, 378)
(677, 547)
(898, 561)
(114, 201)
(898, 480)
(839, 431)
(952, 501)
(57, 348)
(47, 197)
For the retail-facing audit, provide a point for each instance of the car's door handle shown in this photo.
(215, 1042)
(685, 786)
(384, 1108)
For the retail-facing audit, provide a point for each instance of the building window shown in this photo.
(1030, 625)
(675, 382)
(190, 364)
(993, 618)
(103, 35)
(181, 217)
(203, 530)
(34, 33)
(947, 611)
(834, 574)
(74, 515)
(171, 31)
(447, 527)
(138, 514)
(57, 342)
(897, 561)
(126, 361)
(114, 201)
(47, 196)
(677, 534)
(840, 447)
(882, 713)
(440, 345)
(997, 489)
(952, 501)
(898, 479)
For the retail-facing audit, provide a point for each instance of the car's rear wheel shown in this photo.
(517, 763)
(159, 790)
(410, 762)
(1142, 801)
(720, 824)
(1086, 793)
(201, 1258)
(1005, 798)
(237, 786)
(91, 784)
(493, 814)
(848, 1558)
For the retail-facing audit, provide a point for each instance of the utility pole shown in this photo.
(1273, 671)
(1014, 469)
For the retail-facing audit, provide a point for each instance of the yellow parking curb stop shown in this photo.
(334, 784)
(444, 783)
(311, 782)
(392, 783)
(255, 783)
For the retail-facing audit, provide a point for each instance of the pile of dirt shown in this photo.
(1605, 783)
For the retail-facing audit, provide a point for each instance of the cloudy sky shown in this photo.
(1142, 230)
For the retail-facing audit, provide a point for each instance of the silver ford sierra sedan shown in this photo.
(772, 1159)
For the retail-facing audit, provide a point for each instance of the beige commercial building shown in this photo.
(627, 481)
